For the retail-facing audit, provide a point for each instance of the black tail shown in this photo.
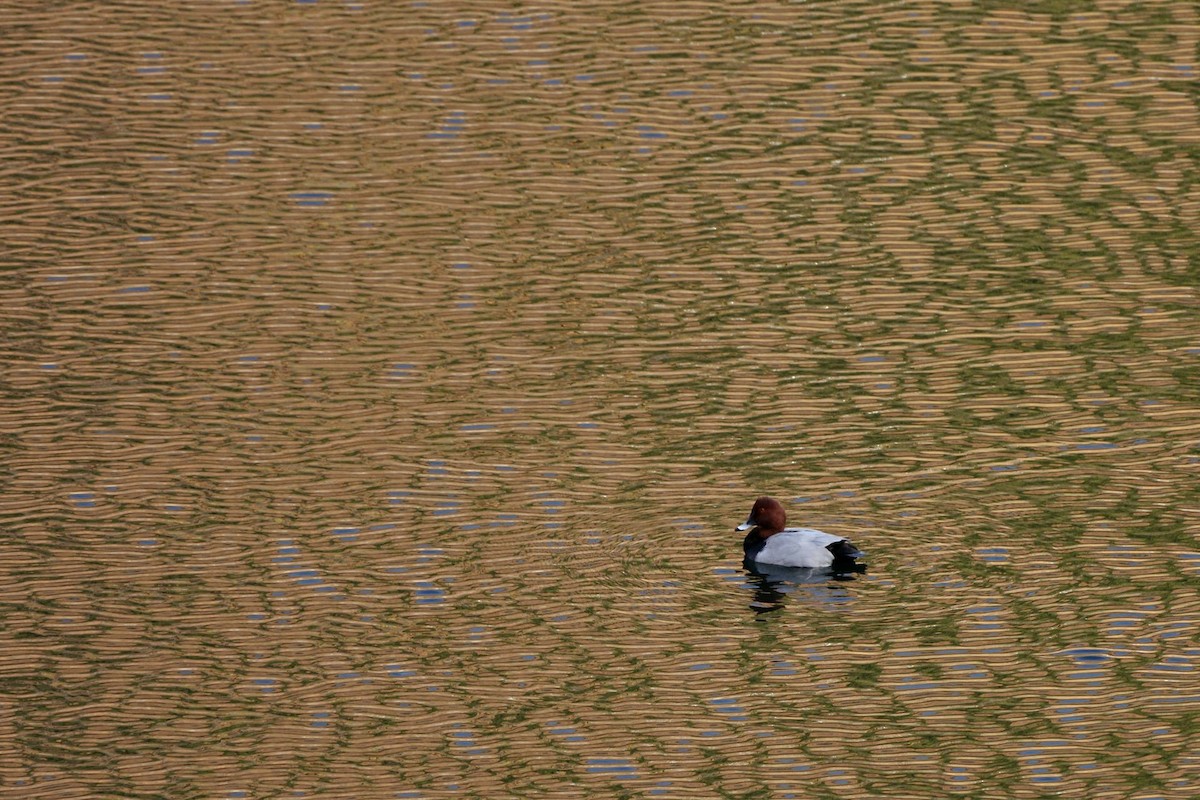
(844, 554)
(844, 551)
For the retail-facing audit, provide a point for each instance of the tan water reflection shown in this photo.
(383, 384)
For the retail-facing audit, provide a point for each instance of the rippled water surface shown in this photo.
(382, 384)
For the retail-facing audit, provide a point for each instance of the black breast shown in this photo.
(753, 545)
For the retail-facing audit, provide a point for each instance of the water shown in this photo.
(383, 384)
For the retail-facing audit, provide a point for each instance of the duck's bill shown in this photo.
(745, 526)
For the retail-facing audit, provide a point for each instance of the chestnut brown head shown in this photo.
(767, 517)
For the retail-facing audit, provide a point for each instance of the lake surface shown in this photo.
(382, 384)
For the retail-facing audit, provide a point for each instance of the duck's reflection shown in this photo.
(824, 585)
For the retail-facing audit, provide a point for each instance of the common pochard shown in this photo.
(769, 542)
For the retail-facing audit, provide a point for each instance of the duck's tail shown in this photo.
(844, 551)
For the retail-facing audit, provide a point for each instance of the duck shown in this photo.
(769, 542)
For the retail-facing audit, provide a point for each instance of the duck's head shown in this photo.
(766, 518)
